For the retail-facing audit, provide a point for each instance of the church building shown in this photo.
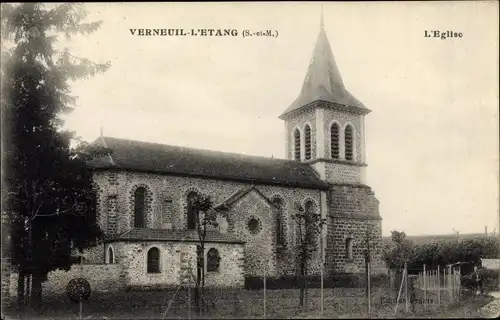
(145, 193)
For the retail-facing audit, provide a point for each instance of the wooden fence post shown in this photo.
(406, 289)
(425, 290)
(265, 280)
(399, 295)
(452, 283)
(369, 288)
(322, 266)
(439, 287)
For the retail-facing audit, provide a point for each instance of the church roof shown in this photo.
(323, 81)
(168, 159)
(144, 234)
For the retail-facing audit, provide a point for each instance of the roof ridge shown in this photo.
(176, 160)
(233, 198)
(206, 150)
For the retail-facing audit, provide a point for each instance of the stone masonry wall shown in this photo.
(343, 173)
(353, 211)
(175, 258)
(102, 277)
(167, 204)
(93, 255)
(352, 200)
(260, 251)
(344, 228)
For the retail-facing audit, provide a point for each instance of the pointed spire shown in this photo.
(323, 81)
(102, 131)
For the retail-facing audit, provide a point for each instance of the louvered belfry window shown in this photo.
(335, 146)
(296, 138)
(308, 142)
(348, 143)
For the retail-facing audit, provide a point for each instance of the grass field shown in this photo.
(242, 304)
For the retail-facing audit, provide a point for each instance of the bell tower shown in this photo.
(325, 128)
(325, 125)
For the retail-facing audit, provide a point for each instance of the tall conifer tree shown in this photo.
(47, 191)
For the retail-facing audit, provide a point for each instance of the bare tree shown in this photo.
(206, 218)
(309, 225)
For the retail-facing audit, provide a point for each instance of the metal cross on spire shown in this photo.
(321, 21)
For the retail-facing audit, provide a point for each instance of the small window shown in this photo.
(213, 260)
(296, 138)
(308, 142)
(334, 134)
(153, 260)
(254, 226)
(348, 248)
(349, 143)
(111, 255)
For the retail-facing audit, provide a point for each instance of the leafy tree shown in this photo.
(399, 252)
(48, 196)
(440, 253)
(309, 225)
(206, 218)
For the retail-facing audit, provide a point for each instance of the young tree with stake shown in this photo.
(206, 218)
(309, 225)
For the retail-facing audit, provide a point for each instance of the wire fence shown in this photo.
(337, 295)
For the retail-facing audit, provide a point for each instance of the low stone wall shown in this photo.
(102, 277)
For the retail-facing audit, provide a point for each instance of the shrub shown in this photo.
(490, 277)
(342, 280)
(441, 253)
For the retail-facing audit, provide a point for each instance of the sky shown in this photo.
(431, 138)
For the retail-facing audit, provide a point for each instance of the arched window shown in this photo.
(296, 140)
(111, 255)
(213, 260)
(191, 211)
(307, 142)
(139, 198)
(334, 142)
(348, 143)
(280, 236)
(348, 248)
(153, 260)
(309, 206)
